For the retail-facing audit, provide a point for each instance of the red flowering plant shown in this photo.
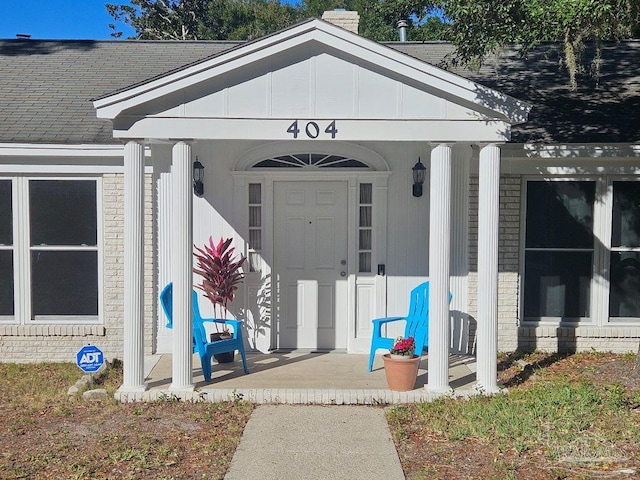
(403, 346)
(220, 272)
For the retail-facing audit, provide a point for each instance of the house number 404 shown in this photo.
(312, 129)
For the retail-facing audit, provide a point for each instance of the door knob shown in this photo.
(343, 273)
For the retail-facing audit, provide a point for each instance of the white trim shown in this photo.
(272, 129)
(22, 254)
(365, 155)
(56, 150)
(65, 169)
(573, 151)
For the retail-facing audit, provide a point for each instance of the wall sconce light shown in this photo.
(198, 176)
(419, 172)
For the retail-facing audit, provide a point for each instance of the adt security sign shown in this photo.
(90, 358)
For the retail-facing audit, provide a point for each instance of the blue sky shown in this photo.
(57, 19)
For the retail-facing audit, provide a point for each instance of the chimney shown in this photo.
(402, 30)
(343, 18)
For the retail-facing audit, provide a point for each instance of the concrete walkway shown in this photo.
(290, 442)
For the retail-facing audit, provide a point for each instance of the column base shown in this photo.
(181, 388)
(444, 390)
(486, 390)
(128, 389)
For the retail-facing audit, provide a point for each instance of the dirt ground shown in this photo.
(46, 435)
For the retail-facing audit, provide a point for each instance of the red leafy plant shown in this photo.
(220, 272)
(403, 346)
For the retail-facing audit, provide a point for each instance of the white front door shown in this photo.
(310, 265)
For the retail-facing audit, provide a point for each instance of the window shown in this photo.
(6, 250)
(559, 249)
(624, 296)
(255, 227)
(58, 263)
(365, 228)
(310, 160)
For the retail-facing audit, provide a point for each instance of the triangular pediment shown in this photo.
(313, 70)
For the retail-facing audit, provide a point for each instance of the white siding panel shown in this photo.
(212, 105)
(419, 104)
(335, 86)
(377, 95)
(249, 99)
(290, 90)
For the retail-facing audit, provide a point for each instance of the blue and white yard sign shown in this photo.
(90, 358)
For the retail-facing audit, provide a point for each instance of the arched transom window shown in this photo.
(311, 161)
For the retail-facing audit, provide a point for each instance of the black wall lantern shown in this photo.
(419, 172)
(198, 176)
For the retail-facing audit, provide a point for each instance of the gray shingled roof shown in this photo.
(47, 87)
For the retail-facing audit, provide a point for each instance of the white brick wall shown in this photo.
(55, 342)
(508, 258)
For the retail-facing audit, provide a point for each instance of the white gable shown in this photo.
(320, 86)
(311, 71)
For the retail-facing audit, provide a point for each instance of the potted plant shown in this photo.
(401, 364)
(221, 275)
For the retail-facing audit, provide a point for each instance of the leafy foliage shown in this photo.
(220, 272)
(202, 19)
(480, 27)
(477, 28)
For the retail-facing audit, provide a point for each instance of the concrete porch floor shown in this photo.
(300, 377)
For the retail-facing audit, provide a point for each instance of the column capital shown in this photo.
(483, 145)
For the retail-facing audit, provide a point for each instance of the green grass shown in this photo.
(551, 419)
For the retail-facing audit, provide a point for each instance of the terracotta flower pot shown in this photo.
(401, 372)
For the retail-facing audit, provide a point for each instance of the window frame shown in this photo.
(600, 286)
(23, 249)
(595, 261)
(606, 261)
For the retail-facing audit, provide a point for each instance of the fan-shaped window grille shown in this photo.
(310, 161)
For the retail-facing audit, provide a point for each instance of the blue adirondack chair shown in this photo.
(201, 345)
(416, 324)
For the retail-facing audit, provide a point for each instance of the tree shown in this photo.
(480, 27)
(202, 19)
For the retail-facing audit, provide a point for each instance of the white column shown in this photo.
(460, 249)
(439, 262)
(133, 365)
(181, 266)
(488, 221)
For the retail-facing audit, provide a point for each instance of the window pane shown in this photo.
(560, 214)
(625, 230)
(255, 196)
(255, 263)
(255, 239)
(6, 221)
(64, 283)
(365, 240)
(366, 193)
(63, 212)
(6, 282)
(255, 218)
(364, 261)
(365, 216)
(624, 297)
(557, 284)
